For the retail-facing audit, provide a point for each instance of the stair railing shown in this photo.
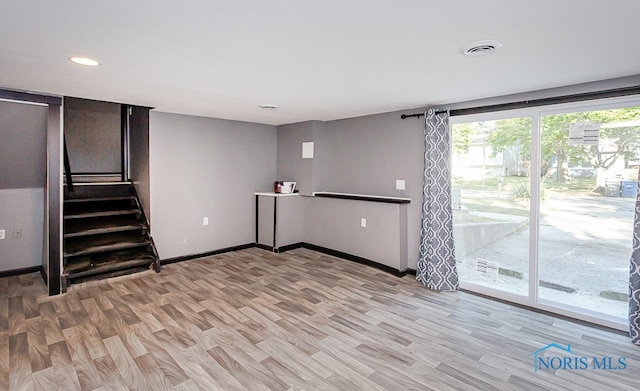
(67, 167)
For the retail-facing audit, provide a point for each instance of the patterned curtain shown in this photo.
(634, 278)
(437, 262)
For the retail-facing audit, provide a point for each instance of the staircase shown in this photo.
(106, 233)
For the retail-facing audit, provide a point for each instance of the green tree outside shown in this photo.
(619, 127)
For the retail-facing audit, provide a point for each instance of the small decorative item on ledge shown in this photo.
(284, 187)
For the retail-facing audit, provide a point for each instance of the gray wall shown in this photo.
(335, 224)
(265, 221)
(139, 155)
(22, 209)
(23, 153)
(92, 131)
(291, 165)
(363, 155)
(290, 220)
(366, 155)
(23, 145)
(207, 167)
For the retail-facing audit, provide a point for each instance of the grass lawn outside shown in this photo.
(513, 183)
(512, 198)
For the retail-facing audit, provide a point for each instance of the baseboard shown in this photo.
(207, 254)
(24, 270)
(355, 258)
(279, 249)
(324, 250)
(289, 247)
(264, 247)
(412, 272)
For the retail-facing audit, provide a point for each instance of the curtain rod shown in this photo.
(403, 116)
(613, 93)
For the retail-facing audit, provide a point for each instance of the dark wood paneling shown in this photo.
(54, 197)
(93, 135)
(21, 96)
(138, 129)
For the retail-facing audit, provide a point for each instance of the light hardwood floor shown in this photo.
(253, 320)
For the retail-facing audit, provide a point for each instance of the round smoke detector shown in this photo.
(481, 48)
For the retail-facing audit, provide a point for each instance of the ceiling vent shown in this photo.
(480, 48)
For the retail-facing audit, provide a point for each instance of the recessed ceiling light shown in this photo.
(85, 61)
(481, 48)
(269, 106)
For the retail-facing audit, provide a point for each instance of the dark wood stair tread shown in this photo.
(106, 230)
(97, 199)
(84, 227)
(109, 267)
(101, 214)
(100, 183)
(113, 256)
(104, 243)
(107, 247)
(99, 189)
(83, 264)
(105, 233)
(77, 208)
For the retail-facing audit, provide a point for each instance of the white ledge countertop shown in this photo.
(272, 194)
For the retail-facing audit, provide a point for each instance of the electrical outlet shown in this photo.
(400, 184)
(205, 221)
(2, 234)
(17, 233)
(363, 222)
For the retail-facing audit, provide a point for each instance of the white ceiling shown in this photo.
(321, 60)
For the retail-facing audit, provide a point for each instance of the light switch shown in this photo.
(400, 184)
(2, 233)
(363, 222)
(205, 221)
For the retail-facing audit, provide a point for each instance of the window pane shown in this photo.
(587, 207)
(490, 189)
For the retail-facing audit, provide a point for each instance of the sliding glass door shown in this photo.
(490, 173)
(543, 203)
(590, 177)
